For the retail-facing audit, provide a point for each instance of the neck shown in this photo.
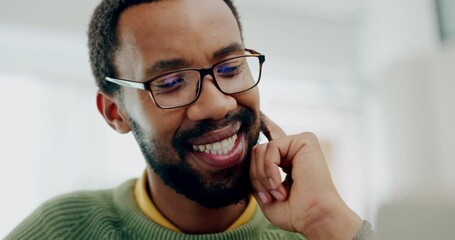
(187, 215)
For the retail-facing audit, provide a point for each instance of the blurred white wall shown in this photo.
(412, 72)
(370, 78)
(52, 138)
(397, 41)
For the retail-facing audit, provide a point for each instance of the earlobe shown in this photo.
(109, 109)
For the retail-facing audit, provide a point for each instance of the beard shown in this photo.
(220, 188)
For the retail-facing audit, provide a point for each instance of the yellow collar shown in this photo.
(149, 209)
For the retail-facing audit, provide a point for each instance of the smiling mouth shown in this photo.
(221, 152)
(217, 148)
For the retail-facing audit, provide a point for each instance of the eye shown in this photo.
(167, 84)
(230, 68)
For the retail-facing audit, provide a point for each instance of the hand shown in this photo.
(307, 201)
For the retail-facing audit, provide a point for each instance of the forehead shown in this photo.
(175, 29)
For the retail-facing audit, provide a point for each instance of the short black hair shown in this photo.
(103, 39)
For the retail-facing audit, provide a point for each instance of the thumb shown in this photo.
(270, 129)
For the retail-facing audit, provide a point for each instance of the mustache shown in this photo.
(244, 116)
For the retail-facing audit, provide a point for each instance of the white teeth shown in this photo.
(224, 143)
(217, 148)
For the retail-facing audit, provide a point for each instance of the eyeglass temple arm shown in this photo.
(126, 83)
(251, 51)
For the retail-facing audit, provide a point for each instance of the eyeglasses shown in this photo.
(183, 87)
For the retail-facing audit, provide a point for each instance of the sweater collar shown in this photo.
(147, 206)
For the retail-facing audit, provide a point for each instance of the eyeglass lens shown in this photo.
(232, 76)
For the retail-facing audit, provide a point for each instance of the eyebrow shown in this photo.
(177, 63)
(165, 65)
(231, 48)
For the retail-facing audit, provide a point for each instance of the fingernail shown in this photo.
(263, 197)
(272, 183)
(277, 195)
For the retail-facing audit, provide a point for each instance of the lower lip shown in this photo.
(222, 161)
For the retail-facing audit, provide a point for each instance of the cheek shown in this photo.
(156, 123)
(161, 124)
(137, 105)
(250, 100)
(165, 124)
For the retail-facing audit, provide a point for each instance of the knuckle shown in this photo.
(254, 180)
(272, 145)
(259, 177)
(269, 168)
(258, 148)
(309, 137)
(263, 179)
(257, 185)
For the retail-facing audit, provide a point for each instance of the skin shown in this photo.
(142, 47)
(159, 31)
(309, 203)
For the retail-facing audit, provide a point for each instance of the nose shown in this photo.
(211, 104)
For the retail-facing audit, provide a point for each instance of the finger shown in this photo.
(270, 129)
(261, 192)
(272, 161)
(259, 200)
(280, 193)
(267, 172)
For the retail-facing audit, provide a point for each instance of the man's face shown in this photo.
(169, 35)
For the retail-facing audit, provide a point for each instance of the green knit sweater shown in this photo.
(113, 214)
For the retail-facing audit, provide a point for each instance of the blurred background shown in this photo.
(374, 79)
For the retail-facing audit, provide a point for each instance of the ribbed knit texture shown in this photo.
(113, 214)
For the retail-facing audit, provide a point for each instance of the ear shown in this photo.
(109, 109)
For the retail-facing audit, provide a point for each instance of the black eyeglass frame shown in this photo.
(202, 72)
